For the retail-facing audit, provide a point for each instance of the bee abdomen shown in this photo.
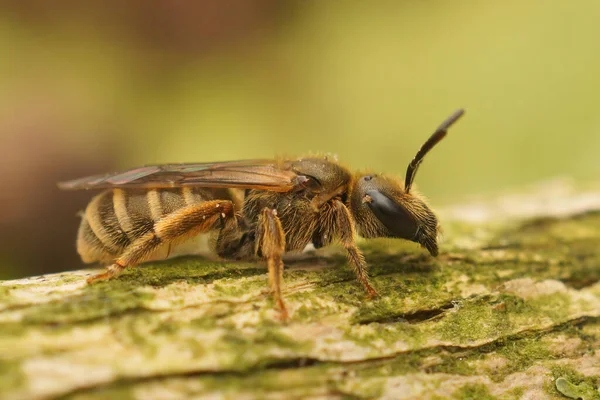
(100, 234)
(116, 218)
(89, 246)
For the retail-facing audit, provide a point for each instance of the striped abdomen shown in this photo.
(115, 218)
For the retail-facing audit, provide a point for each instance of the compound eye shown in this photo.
(399, 222)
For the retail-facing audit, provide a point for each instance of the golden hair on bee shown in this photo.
(253, 209)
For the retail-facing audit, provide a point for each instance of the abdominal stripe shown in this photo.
(103, 221)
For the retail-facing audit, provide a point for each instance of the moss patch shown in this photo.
(572, 382)
(473, 392)
(581, 391)
(474, 320)
(97, 301)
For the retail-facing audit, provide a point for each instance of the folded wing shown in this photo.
(248, 174)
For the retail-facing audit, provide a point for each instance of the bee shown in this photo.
(253, 209)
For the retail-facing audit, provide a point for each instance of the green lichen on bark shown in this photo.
(581, 391)
(510, 309)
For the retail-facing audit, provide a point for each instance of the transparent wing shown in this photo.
(247, 174)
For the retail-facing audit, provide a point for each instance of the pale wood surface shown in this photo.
(511, 305)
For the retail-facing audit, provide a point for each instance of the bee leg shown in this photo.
(112, 271)
(346, 234)
(188, 221)
(271, 243)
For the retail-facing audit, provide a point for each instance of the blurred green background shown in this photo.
(90, 87)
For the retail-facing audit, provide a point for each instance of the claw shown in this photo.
(372, 293)
(283, 313)
(110, 272)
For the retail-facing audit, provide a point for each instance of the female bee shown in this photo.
(284, 206)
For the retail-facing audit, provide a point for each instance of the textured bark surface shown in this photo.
(510, 310)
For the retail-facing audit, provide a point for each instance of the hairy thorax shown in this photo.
(306, 213)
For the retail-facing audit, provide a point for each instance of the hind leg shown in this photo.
(186, 222)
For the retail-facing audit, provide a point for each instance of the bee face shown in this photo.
(383, 209)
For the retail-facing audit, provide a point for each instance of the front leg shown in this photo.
(270, 242)
(342, 227)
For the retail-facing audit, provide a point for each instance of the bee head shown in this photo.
(384, 207)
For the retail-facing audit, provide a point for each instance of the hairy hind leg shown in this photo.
(187, 221)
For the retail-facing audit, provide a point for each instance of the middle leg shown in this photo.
(271, 244)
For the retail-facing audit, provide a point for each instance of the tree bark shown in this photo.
(510, 310)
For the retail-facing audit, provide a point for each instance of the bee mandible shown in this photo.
(253, 209)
